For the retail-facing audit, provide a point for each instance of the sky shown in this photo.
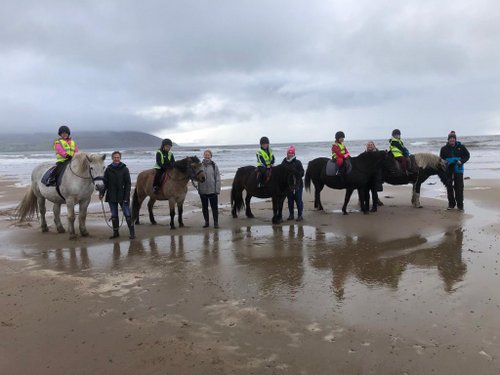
(229, 72)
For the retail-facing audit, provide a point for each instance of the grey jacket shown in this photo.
(212, 183)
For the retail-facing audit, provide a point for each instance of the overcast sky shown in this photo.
(228, 72)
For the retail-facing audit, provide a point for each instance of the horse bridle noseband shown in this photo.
(94, 179)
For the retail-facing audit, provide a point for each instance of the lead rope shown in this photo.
(107, 220)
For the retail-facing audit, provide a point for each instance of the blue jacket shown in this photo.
(454, 154)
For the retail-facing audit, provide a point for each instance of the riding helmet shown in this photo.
(64, 129)
(264, 140)
(396, 132)
(166, 141)
(339, 135)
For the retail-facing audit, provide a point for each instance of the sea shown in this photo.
(483, 164)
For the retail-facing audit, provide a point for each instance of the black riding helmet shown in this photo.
(339, 135)
(64, 129)
(396, 132)
(264, 140)
(166, 141)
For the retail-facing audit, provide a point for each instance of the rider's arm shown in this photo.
(60, 150)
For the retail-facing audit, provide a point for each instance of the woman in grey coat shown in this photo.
(209, 190)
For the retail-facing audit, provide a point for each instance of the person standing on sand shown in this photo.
(164, 160)
(456, 154)
(265, 160)
(117, 189)
(296, 195)
(65, 149)
(339, 152)
(209, 190)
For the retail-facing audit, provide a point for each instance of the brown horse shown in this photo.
(173, 189)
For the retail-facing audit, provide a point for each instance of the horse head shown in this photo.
(96, 168)
(195, 168)
(293, 176)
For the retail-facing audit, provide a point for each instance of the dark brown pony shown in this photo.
(284, 178)
(364, 168)
(174, 189)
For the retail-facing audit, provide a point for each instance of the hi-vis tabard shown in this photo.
(342, 150)
(162, 156)
(267, 158)
(396, 151)
(69, 148)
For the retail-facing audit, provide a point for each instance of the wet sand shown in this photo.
(400, 291)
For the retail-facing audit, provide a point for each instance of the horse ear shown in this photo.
(103, 157)
(88, 158)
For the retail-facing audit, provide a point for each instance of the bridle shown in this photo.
(91, 177)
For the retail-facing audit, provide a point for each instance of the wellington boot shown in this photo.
(116, 225)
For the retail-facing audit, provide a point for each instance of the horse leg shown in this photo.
(365, 201)
(277, 210)
(415, 198)
(317, 196)
(347, 198)
(43, 210)
(151, 203)
(171, 205)
(180, 210)
(82, 217)
(57, 218)
(248, 211)
(70, 204)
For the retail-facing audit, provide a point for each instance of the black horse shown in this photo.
(283, 179)
(427, 164)
(364, 168)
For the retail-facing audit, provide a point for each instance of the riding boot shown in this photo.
(116, 224)
(131, 228)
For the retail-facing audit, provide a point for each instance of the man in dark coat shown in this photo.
(456, 154)
(117, 188)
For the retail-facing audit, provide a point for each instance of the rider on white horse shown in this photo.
(65, 148)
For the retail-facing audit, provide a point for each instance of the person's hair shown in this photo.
(116, 152)
(209, 151)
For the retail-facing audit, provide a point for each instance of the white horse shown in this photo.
(83, 173)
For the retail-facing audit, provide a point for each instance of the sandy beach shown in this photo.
(400, 291)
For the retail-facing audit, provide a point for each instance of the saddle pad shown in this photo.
(331, 168)
(46, 175)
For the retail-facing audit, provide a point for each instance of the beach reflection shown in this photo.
(273, 260)
(384, 263)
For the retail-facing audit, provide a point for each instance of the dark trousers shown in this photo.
(113, 207)
(403, 162)
(157, 180)
(56, 171)
(455, 189)
(214, 202)
(295, 197)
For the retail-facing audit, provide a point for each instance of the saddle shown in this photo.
(267, 175)
(411, 167)
(332, 168)
(46, 176)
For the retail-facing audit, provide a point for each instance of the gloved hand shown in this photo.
(69, 157)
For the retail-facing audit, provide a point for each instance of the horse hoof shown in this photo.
(373, 210)
(366, 212)
(172, 227)
(61, 230)
(181, 225)
(251, 216)
(45, 229)
(345, 213)
(154, 223)
(84, 234)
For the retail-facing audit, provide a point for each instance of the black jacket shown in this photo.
(298, 167)
(117, 183)
(459, 151)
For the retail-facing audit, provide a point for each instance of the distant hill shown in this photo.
(85, 141)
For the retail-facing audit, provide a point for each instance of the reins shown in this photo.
(107, 220)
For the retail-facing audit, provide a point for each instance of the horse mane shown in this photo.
(80, 161)
(427, 160)
(183, 164)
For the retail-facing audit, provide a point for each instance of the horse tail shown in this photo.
(307, 180)
(237, 202)
(28, 206)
